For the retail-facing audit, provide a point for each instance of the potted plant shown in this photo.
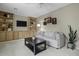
(72, 38)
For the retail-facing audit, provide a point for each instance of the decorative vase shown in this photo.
(70, 45)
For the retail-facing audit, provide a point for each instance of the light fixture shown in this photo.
(38, 25)
(15, 10)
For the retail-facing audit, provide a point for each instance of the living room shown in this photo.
(19, 21)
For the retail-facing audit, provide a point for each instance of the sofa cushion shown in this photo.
(40, 33)
(50, 35)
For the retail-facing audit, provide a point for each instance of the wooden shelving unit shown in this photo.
(6, 21)
(6, 28)
(32, 25)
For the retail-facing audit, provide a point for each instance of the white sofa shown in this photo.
(54, 39)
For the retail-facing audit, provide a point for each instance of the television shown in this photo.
(21, 23)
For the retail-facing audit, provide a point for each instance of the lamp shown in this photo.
(38, 25)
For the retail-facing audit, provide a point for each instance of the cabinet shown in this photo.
(25, 34)
(9, 35)
(16, 35)
(6, 28)
(32, 26)
(2, 36)
(20, 34)
(6, 21)
(13, 35)
(6, 35)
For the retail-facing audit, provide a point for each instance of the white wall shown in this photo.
(68, 15)
(22, 18)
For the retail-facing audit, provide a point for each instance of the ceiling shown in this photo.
(31, 9)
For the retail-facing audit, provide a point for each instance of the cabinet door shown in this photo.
(31, 33)
(16, 35)
(25, 34)
(2, 36)
(20, 34)
(9, 35)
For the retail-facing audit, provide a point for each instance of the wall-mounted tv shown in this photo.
(21, 23)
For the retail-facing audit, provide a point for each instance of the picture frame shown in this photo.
(44, 23)
(54, 21)
(50, 20)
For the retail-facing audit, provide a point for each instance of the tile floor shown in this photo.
(17, 48)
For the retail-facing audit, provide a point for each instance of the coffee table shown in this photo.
(35, 46)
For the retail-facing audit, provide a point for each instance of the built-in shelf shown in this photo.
(6, 21)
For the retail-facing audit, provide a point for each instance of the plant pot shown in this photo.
(71, 45)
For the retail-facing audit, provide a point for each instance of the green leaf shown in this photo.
(72, 34)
